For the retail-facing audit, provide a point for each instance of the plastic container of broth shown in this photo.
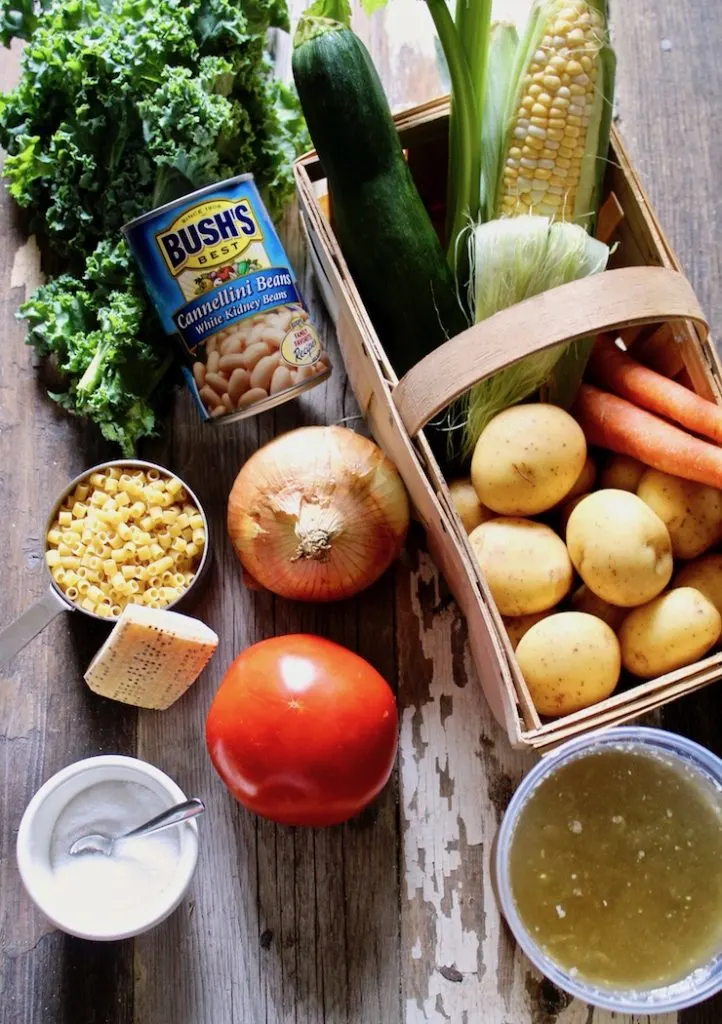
(520, 871)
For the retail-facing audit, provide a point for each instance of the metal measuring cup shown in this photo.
(32, 621)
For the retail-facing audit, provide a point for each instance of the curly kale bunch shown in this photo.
(123, 105)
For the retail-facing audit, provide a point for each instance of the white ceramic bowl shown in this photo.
(38, 823)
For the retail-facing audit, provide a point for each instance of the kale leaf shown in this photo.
(104, 340)
(123, 105)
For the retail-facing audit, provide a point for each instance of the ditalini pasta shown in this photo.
(125, 538)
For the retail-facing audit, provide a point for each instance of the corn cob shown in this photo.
(558, 113)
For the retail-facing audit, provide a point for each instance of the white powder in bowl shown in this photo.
(97, 893)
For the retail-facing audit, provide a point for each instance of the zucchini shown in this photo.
(382, 226)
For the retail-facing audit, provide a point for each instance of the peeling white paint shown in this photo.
(445, 791)
(25, 271)
(453, 755)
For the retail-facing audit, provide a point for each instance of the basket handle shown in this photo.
(627, 297)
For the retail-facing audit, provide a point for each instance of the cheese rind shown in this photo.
(151, 657)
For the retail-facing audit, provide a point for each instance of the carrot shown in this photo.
(613, 369)
(613, 423)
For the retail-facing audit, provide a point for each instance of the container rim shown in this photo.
(120, 766)
(136, 464)
(686, 992)
(195, 194)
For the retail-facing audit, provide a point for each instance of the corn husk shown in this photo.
(540, 243)
(503, 47)
(514, 259)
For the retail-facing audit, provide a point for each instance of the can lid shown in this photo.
(196, 194)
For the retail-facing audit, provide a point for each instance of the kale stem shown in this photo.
(465, 138)
(91, 378)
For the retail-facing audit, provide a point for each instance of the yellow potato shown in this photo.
(583, 600)
(622, 473)
(468, 507)
(569, 661)
(566, 510)
(585, 481)
(691, 512)
(620, 548)
(670, 632)
(527, 459)
(704, 575)
(526, 565)
(516, 628)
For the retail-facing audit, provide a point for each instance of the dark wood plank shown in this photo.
(301, 926)
(48, 717)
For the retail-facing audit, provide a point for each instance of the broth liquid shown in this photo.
(616, 869)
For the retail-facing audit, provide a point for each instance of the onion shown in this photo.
(318, 514)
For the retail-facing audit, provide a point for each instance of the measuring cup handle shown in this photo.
(19, 633)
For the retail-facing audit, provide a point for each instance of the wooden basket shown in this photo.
(643, 296)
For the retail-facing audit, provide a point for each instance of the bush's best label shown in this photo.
(220, 279)
(209, 235)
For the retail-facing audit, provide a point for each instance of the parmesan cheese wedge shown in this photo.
(151, 657)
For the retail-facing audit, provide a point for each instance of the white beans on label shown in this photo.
(272, 337)
(218, 382)
(239, 383)
(280, 380)
(244, 365)
(210, 398)
(232, 344)
(230, 363)
(282, 320)
(256, 333)
(251, 397)
(263, 371)
(255, 352)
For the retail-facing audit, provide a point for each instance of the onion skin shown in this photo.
(318, 514)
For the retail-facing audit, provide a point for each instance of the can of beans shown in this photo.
(220, 279)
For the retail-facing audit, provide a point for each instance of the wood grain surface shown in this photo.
(391, 918)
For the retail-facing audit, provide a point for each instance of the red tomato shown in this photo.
(303, 731)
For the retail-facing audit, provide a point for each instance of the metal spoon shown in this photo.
(97, 843)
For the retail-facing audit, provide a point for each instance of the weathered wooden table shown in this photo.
(390, 918)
